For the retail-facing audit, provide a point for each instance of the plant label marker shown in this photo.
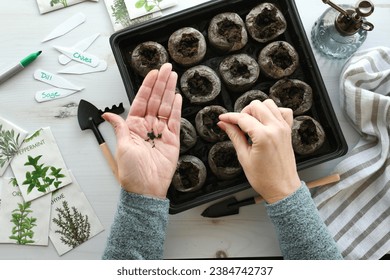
(54, 80)
(53, 94)
(83, 45)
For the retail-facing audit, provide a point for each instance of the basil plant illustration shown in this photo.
(9, 145)
(148, 4)
(63, 2)
(22, 231)
(74, 227)
(40, 178)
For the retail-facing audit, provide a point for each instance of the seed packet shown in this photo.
(73, 220)
(46, 6)
(23, 223)
(38, 166)
(119, 15)
(139, 8)
(11, 137)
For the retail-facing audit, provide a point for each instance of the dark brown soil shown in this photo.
(281, 57)
(188, 45)
(150, 56)
(226, 158)
(308, 132)
(189, 175)
(268, 23)
(230, 30)
(291, 97)
(199, 85)
(210, 121)
(240, 70)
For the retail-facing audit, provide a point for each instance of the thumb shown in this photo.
(119, 125)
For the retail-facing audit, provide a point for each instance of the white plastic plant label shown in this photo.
(39, 167)
(23, 223)
(73, 220)
(81, 45)
(55, 80)
(46, 6)
(11, 137)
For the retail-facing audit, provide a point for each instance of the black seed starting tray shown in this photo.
(159, 30)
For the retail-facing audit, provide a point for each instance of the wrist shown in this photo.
(282, 190)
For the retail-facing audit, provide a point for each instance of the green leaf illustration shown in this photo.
(23, 232)
(148, 4)
(62, 2)
(39, 178)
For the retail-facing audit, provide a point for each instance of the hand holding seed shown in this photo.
(268, 161)
(148, 141)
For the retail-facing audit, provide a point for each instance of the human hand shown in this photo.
(269, 162)
(148, 142)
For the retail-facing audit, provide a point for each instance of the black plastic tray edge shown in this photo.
(343, 148)
(114, 38)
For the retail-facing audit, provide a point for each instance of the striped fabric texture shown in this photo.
(357, 209)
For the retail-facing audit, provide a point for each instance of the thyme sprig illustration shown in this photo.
(148, 4)
(74, 226)
(22, 231)
(9, 145)
(40, 178)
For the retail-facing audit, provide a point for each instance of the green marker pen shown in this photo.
(18, 67)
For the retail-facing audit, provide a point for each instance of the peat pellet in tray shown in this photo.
(124, 42)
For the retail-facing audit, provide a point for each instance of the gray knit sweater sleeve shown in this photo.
(301, 232)
(138, 230)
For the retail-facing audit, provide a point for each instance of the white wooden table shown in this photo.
(249, 234)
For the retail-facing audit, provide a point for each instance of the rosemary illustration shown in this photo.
(9, 145)
(148, 4)
(74, 226)
(63, 2)
(22, 231)
(120, 13)
(39, 177)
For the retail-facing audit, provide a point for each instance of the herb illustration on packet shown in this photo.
(39, 167)
(139, 8)
(23, 223)
(73, 220)
(46, 6)
(11, 137)
(119, 15)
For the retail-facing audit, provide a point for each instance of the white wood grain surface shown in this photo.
(249, 234)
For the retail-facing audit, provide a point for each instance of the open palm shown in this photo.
(148, 142)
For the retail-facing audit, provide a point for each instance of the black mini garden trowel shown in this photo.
(89, 118)
(231, 205)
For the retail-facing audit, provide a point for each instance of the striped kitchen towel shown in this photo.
(357, 209)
